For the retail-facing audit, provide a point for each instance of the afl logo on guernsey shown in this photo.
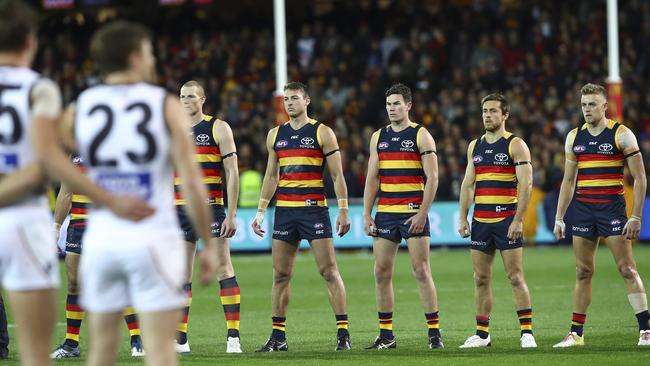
(501, 157)
(383, 145)
(477, 159)
(77, 160)
(579, 148)
(202, 138)
(307, 141)
(407, 144)
(281, 143)
(605, 147)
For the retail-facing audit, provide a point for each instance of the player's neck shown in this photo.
(13, 59)
(123, 77)
(598, 127)
(298, 121)
(397, 126)
(493, 136)
(197, 117)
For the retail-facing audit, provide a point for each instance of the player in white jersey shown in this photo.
(29, 108)
(128, 133)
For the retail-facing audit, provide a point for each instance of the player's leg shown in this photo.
(584, 250)
(513, 264)
(133, 325)
(384, 251)
(419, 252)
(229, 294)
(182, 345)
(4, 332)
(482, 260)
(622, 251)
(104, 338)
(158, 328)
(34, 313)
(74, 314)
(283, 254)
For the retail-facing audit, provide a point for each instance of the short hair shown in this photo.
(296, 85)
(114, 42)
(17, 21)
(402, 90)
(505, 107)
(194, 83)
(590, 88)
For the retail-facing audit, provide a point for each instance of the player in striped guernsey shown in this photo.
(595, 156)
(77, 206)
(298, 151)
(403, 168)
(216, 153)
(499, 178)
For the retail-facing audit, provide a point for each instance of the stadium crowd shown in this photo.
(538, 53)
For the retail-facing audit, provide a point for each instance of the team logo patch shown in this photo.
(477, 159)
(616, 222)
(319, 225)
(407, 144)
(307, 141)
(579, 148)
(202, 138)
(77, 160)
(281, 143)
(383, 145)
(501, 157)
(605, 147)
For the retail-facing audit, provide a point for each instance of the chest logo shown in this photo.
(477, 159)
(579, 148)
(383, 145)
(407, 144)
(281, 143)
(605, 147)
(202, 138)
(501, 157)
(307, 141)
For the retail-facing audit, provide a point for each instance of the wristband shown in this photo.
(634, 218)
(57, 226)
(343, 203)
(262, 205)
(259, 218)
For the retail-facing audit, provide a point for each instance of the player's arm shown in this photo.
(333, 157)
(193, 189)
(427, 148)
(226, 142)
(49, 133)
(22, 183)
(524, 171)
(371, 187)
(269, 184)
(467, 192)
(62, 206)
(568, 185)
(628, 144)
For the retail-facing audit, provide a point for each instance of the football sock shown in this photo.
(131, 318)
(386, 325)
(433, 324)
(74, 315)
(230, 299)
(279, 327)
(577, 323)
(483, 326)
(185, 315)
(342, 325)
(525, 320)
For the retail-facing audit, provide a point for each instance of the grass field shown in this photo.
(611, 330)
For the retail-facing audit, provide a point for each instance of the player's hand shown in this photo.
(632, 229)
(208, 261)
(464, 228)
(560, 228)
(57, 233)
(416, 222)
(257, 224)
(515, 230)
(369, 226)
(228, 227)
(343, 222)
(131, 208)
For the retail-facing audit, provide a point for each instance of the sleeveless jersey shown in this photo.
(401, 177)
(600, 164)
(80, 203)
(123, 138)
(495, 192)
(16, 84)
(301, 161)
(208, 156)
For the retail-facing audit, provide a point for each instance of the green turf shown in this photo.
(611, 331)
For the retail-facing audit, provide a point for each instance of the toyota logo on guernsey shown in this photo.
(407, 144)
(202, 138)
(501, 157)
(605, 147)
(307, 141)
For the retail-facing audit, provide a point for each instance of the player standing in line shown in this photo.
(499, 178)
(216, 153)
(32, 106)
(596, 154)
(129, 132)
(78, 205)
(298, 151)
(403, 168)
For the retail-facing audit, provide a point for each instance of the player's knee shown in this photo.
(481, 279)
(281, 277)
(516, 279)
(584, 272)
(329, 273)
(383, 274)
(73, 285)
(422, 272)
(627, 271)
